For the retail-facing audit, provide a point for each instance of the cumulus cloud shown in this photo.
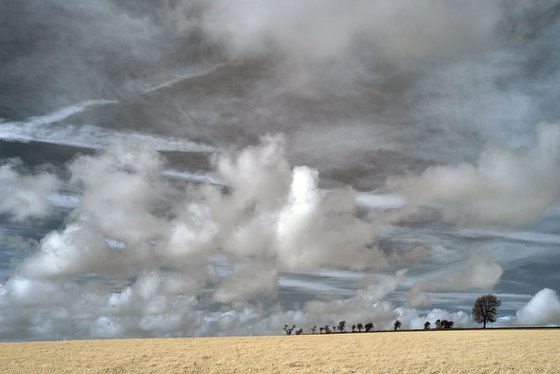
(542, 309)
(505, 187)
(135, 247)
(414, 319)
(121, 191)
(277, 213)
(25, 196)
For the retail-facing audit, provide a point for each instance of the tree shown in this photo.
(397, 324)
(289, 329)
(321, 329)
(314, 329)
(369, 326)
(427, 325)
(485, 309)
(299, 332)
(353, 328)
(360, 327)
(438, 324)
(327, 329)
(341, 326)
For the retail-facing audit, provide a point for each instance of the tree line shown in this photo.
(484, 310)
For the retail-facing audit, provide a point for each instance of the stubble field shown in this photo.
(490, 351)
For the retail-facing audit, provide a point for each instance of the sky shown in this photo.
(216, 168)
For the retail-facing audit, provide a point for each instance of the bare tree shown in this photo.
(427, 325)
(397, 324)
(369, 326)
(360, 327)
(314, 329)
(485, 309)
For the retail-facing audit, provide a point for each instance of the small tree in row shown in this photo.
(288, 329)
(341, 326)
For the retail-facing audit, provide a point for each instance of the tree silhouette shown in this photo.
(438, 324)
(353, 328)
(360, 327)
(427, 325)
(314, 329)
(341, 326)
(445, 324)
(485, 309)
(299, 332)
(288, 329)
(321, 329)
(369, 326)
(327, 329)
(397, 324)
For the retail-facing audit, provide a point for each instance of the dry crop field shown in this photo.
(489, 351)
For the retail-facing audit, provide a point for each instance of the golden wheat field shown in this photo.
(489, 351)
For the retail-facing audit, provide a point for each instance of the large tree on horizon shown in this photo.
(485, 309)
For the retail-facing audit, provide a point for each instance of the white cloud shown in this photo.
(48, 129)
(542, 309)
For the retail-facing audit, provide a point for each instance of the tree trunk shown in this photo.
(484, 326)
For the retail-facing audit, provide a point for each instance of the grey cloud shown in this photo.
(479, 271)
(130, 224)
(505, 187)
(318, 31)
(248, 283)
(25, 196)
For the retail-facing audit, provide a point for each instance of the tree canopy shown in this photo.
(485, 309)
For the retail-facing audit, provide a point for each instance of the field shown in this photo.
(489, 351)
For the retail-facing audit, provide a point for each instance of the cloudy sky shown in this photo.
(202, 168)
